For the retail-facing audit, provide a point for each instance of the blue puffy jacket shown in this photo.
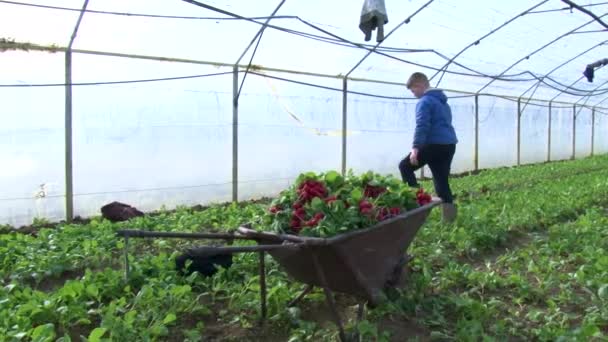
(434, 120)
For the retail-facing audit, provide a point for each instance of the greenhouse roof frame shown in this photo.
(449, 68)
(545, 79)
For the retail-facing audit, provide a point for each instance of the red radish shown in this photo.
(366, 211)
(331, 199)
(423, 198)
(373, 191)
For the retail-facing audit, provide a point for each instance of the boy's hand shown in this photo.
(414, 156)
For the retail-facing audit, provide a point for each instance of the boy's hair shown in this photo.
(417, 77)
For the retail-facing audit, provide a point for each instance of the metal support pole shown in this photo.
(519, 131)
(344, 122)
(69, 176)
(593, 131)
(476, 152)
(235, 104)
(235, 134)
(549, 133)
(262, 255)
(573, 132)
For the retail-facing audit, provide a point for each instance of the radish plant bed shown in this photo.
(525, 260)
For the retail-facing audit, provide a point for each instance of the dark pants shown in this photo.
(439, 158)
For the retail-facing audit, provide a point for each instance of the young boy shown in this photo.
(434, 141)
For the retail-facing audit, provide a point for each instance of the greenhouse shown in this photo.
(205, 118)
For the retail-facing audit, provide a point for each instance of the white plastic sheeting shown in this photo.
(170, 142)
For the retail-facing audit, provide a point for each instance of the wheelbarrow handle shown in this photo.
(245, 231)
(144, 234)
(254, 234)
(207, 251)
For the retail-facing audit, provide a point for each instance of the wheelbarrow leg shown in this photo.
(397, 278)
(127, 258)
(263, 285)
(329, 296)
(306, 290)
(360, 312)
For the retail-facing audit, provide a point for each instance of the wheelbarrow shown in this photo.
(361, 263)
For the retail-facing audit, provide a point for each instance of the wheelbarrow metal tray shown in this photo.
(358, 262)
